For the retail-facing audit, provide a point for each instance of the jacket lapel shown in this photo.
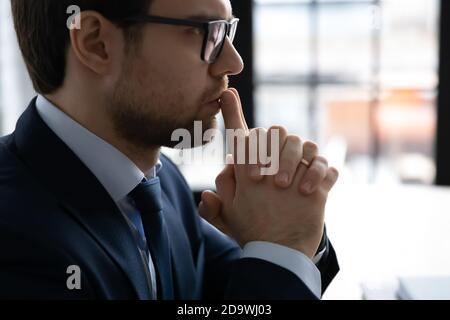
(78, 190)
(183, 265)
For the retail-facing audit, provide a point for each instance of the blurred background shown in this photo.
(364, 79)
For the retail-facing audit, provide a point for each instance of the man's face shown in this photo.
(164, 83)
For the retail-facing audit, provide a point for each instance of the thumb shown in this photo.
(210, 209)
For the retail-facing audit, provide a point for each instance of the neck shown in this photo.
(94, 119)
(144, 159)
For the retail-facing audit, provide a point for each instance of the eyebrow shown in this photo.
(203, 17)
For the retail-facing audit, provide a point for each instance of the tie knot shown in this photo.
(147, 196)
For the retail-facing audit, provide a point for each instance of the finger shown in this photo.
(211, 206)
(278, 144)
(210, 209)
(240, 104)
(217, 223)
(330, 179)
(314, 176)
(232, 111)
(290, 158)
(257, 153)
(310, 151)
(240, 157)
(276, 137)
(226, 184)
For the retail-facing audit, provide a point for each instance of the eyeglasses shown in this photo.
(215, 32)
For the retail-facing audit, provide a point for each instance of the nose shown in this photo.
(228, 63)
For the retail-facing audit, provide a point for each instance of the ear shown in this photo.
(95, 42)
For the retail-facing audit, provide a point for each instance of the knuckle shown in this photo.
(257, 134)
(288, 163)
(311, 147)
(322, 160)
(220, 178)
(278, 128)
(294, 140)
(253, 132)
(258, 129)
(315, 172)
(334, 170)
(334, 173)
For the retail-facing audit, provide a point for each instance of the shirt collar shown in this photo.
(114, 170)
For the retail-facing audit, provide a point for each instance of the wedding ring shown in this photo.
(306, 163)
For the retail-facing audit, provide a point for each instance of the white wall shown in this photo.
(15, 87)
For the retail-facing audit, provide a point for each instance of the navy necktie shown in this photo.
(147, 197)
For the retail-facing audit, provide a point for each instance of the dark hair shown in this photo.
(43, 36)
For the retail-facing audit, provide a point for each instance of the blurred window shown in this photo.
(357, 76)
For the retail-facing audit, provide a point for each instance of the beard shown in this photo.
(146, 117)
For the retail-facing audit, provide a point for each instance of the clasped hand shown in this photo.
(286, 208)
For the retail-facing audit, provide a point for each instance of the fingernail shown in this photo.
(307, 187)
(283, 178)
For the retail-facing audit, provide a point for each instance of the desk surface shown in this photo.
(381, 233)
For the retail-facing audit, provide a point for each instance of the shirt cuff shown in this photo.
(290, 259)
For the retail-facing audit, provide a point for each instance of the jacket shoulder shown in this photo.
(26, 204)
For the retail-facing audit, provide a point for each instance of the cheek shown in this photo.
(172, 79)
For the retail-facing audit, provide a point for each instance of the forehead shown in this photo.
(209, 9)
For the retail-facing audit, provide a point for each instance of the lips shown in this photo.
(218, 94)
(216, 99)
(214, 103)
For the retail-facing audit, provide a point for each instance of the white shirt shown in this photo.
(119, 176)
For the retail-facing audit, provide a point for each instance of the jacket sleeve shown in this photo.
(228, 276)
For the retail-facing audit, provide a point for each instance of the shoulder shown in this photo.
(17, 184)
(27, 206)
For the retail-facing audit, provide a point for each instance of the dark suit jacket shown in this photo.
(54, 213)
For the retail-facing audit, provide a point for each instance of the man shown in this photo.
(90, 209)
